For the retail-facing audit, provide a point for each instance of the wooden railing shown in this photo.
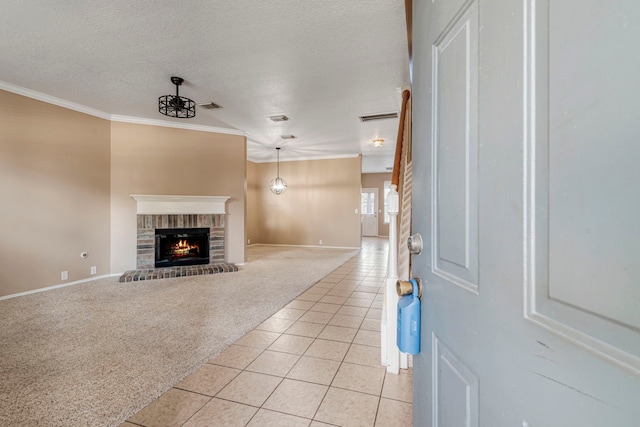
(398, 267)
(408, 10)
(395, 177)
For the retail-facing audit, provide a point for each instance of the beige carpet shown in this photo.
(93, 354)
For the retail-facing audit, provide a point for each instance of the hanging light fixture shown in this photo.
(177, 106)
(278, 185)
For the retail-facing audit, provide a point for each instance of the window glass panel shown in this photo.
(368, 203)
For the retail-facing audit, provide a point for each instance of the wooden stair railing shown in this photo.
(395, 177)
(390, 355)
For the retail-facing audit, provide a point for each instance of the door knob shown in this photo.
(414, 243)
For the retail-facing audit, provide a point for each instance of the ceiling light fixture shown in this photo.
(378, 142)
(177, 106)
(278, 185)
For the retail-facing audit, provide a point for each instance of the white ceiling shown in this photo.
(321, 62)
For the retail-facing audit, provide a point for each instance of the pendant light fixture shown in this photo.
(177, 106)
(278, 185)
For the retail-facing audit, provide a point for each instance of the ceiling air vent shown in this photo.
(279, 118)
(209, 105)
(381, 116)
(288, 136)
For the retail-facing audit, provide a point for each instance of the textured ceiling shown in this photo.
(321, 62)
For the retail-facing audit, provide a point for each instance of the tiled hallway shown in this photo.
(316, 362)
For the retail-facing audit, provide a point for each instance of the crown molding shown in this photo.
(39, 96)
(297, 159)
(187, 126)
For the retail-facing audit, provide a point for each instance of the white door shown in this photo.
(369, 211)
(526, 146)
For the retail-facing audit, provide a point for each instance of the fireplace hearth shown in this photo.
(181, 247)
(174, 226)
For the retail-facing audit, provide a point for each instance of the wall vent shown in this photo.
(279, 118)
(209, 105)
(381, 116)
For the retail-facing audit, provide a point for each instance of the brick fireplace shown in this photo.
(179, 212)
(146, 234)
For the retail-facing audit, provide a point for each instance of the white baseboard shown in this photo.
(64, 285)
(307, 246)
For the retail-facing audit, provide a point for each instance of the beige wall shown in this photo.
(54, 186)
(253, 207)
(319, 203)
(66, 180)
(167, 161)
(376, 180)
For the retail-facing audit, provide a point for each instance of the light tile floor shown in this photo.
(316, 362)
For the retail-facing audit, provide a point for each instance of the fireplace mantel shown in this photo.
(159, 204)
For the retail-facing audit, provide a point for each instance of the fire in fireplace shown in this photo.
(181, 246)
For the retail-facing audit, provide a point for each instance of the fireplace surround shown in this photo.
(180, 213)
(146, 236)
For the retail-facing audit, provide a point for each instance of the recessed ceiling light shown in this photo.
(279, 118)
(378, 142)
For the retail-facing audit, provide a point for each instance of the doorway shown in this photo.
(369, 211)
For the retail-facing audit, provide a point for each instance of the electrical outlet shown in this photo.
(320, 241)
(64, 275)
(93, 269)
